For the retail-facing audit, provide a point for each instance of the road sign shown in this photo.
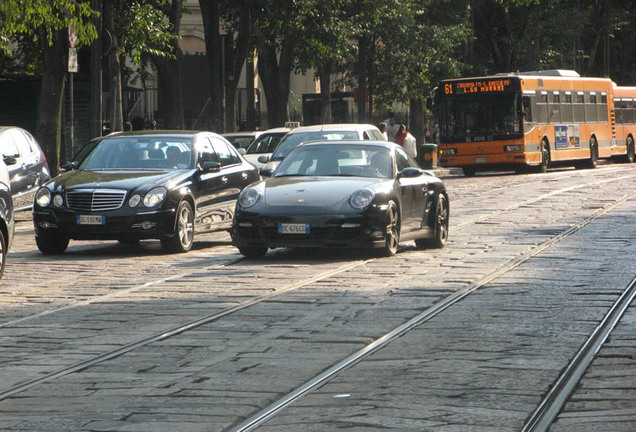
(72, 60)
(72, 36)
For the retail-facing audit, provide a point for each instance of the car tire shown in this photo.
(51, 244)
(441, 226)
(253, 251)
(391, 231)
(3, 253)
(183, 236)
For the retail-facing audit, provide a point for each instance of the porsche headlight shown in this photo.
(155, 196)
(249, 197)
(43, 197)
(362, 199)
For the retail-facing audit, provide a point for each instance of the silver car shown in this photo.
(26, 162)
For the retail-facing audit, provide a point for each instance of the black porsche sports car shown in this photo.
(165, 185)
(349, 194)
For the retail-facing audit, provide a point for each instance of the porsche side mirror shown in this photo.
(266, 172)
(409, 172)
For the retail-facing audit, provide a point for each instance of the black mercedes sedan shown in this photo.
(166, 185)
(347, 194)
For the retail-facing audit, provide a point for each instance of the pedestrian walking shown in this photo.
(383, 128)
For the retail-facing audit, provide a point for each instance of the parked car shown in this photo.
(339, 131)
(167, 185)
(30, 168)
(241, 140)
(347, 194)
(264, 145)
(7, 224)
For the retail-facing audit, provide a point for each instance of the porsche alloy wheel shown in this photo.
(392, 231)
(441, 226)
(3, 253)
(184, 230)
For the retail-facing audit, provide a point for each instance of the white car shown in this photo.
(336, 131)
(241, 140)
(264, 145)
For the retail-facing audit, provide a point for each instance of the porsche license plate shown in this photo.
(91, 220)
(287, 228)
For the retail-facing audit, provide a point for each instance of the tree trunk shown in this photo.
(416, 122)
(362, 80)
(236, 61)
(324, 74)
(115, 115)
(211, 20)
(169, 72)
(48, 127)
(275, 74)
(171, 100)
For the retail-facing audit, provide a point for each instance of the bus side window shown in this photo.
(542, 108)
(527, 109)
(590, 107)
(628, 111)
(566, 108)
(601, 108)
(555, 108)
(618, 109)
(579, 108)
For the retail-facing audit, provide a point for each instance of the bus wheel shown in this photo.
(469, 171)
(545, 157)
(630, 150)
(591, 162)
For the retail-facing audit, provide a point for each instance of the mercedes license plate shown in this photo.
(91, 220)
(290, 228)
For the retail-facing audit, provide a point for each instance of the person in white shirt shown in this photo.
(410, 145)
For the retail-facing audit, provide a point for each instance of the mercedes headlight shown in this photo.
(155, 196)
(249, 197)
(362, 199)
(43, 197)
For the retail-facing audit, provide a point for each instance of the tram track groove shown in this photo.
(274, 408)
(165, 334)
(210, 318)
(123, 292)
(550, 406)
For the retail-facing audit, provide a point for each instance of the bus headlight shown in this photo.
(513, 148)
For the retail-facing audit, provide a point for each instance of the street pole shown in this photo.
(96, 75)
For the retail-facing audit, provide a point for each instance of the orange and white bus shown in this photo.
(533, 120)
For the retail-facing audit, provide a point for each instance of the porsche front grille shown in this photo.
(95, 200)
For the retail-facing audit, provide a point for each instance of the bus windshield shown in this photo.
(480, 117)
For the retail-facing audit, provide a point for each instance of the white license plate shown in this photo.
(91, 220)
(480, 160)
(285, 228)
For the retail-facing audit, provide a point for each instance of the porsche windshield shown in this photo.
(480, 117)
(337, 160)
(143, 152)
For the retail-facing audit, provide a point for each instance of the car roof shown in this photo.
(242, 133)
(159, 132)
(277, 130)
(333, 127)
(361, 143)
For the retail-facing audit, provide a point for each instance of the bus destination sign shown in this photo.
(481, 86)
